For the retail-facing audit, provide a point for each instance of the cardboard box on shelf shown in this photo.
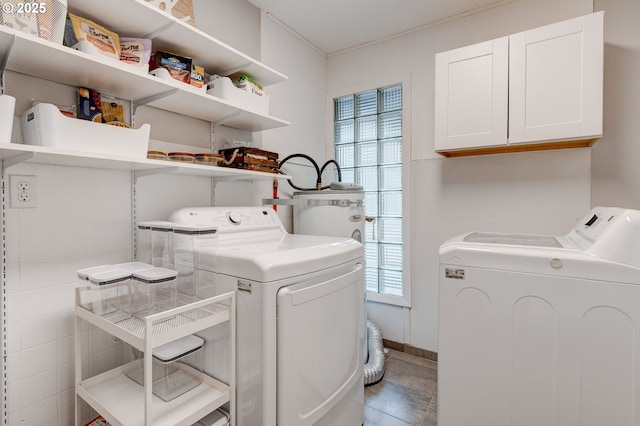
(181, 9)
(178, 67)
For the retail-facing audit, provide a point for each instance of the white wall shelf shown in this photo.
(169, 33)
(17, 153)
(39, 58)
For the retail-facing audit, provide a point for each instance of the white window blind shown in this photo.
(368, 147)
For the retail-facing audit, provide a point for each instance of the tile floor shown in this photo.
(406, 395)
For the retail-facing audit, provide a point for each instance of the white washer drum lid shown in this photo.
(273, 259)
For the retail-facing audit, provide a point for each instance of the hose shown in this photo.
(318, 172)
(337, 169)
(374, 368)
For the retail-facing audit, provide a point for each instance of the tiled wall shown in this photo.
(82, 218)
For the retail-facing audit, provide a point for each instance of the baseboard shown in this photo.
(412, 350)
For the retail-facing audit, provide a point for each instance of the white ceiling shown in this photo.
(336, 25)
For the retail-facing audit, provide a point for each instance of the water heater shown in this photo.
(338, 213)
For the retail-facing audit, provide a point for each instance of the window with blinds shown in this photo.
(368, 147)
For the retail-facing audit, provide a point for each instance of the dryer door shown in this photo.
(320, 345)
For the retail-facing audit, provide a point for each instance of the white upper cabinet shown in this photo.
(471, 96)
(555, 83)
(538, 89)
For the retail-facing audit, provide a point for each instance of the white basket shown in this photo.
(222, 87)
(45, 19)
(45, 125)
(7, 107)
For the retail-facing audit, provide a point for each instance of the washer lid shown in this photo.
(512, 239)
(272, 259)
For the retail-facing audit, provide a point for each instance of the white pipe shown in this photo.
(374, 368)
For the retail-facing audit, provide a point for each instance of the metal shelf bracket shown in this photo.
(12, 161)
(149, 99)
(150, 172)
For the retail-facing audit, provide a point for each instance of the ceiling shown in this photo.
(336, 25)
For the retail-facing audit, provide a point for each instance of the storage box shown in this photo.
(181, 9)
(170, 378)
(188, 240)
(179, 67)
(216, 418)
(153, 290)
(223, 87)
(45, 125)
(89, 105)
(103, 295)
(251, 159)
(7, 108)
(155, 243)
(45, 19)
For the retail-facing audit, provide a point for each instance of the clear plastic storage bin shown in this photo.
(155, 241)
(216, 418)
(154, 290)
(187, 241)
(104, 292)
(176, 366)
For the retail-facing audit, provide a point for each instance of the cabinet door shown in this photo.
(471, 96)
(555, 81)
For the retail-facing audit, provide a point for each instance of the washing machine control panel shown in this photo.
(597, 222)
(230, 219)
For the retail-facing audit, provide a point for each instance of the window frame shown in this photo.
(374, 84)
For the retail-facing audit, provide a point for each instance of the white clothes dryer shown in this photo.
(300, 330)
(542, 330)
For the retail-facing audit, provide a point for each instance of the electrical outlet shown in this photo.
(22, 191)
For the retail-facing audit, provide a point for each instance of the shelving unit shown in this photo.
(169, 33)
(122, 401)
(18, 153)
(119, 399)
(26, 54)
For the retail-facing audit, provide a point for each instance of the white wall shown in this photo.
(542, 192)
(300, 100)
(615, 171)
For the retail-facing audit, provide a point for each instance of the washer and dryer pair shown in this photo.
(300, 317)
(542, 330)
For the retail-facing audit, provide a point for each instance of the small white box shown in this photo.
(7, 108)
(223, 87)
(45, 125)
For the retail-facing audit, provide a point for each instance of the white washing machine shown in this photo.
(542, 330)
(300, 330)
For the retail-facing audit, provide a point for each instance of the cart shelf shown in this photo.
(120, 400)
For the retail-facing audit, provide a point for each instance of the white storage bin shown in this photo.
(169, 377)
(45, 19)
(44, 125)
(7, 108)
(223, 87)
(154, 290)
